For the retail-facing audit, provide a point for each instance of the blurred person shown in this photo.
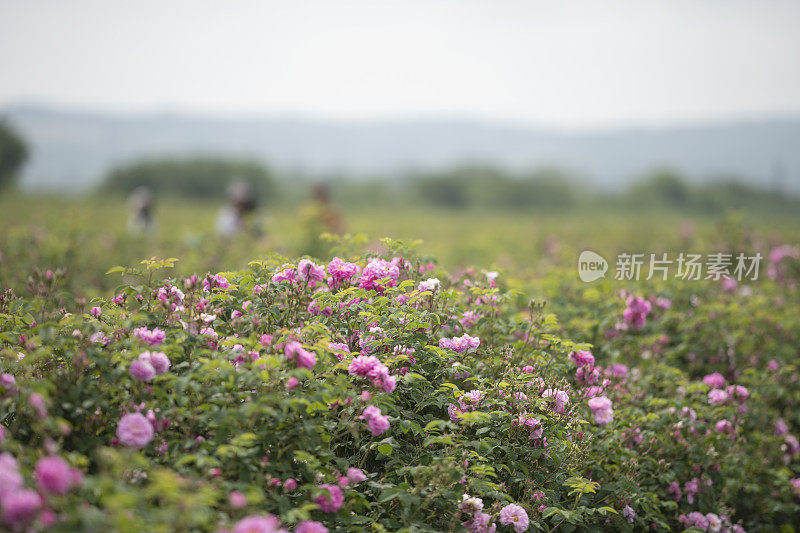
(552, 247)
(141, 221)
(237, 216)
(319, 216)
(687, 232)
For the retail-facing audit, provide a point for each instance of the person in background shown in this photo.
(141, 221)
(320, 216)
(237, 216)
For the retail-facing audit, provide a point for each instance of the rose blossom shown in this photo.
(53, 474)
(561, 397)
(331, 501)
(153, 338)
(377, 422)
(601, 409)
(303, 358)
(237, 500)
(715, 380)
(20, 506)
(309, 272)
(10, 478)
(142, 370)
(376, 271)
(158, 360)
(341, 271)
(134, 430)
(355, 475)
(258, 524)
(460, 344)
(516, 516)
(582, 358)
(628, 514)
(717, 396)
(310, 526)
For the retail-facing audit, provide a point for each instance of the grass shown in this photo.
(90, 233)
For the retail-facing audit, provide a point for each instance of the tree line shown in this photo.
(460, 187)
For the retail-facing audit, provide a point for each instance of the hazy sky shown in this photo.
(570, 63)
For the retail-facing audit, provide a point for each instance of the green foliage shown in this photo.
(197, 177)
(234, 425)
(665, 188)
(662, 187)
(490, 187)
(13, 153)
(230, 389)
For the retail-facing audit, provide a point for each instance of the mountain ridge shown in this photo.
(71, 150)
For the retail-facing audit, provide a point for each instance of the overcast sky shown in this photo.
(594, 63)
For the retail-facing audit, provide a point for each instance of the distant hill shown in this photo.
(72, 150)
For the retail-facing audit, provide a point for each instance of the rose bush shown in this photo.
(365, 393)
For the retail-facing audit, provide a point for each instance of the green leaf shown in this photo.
(384, 448)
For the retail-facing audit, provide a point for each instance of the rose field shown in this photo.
(469, 381)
